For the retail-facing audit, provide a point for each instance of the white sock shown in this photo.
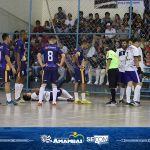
(83, 96)
(122, 91)
(54, 94)
(90, 75)
(76, 95)
(8, 97)
(128, 94)
(102, 76)
(97, 74)
(137, 91)
(20, 89)
(62, 99)
(41, 93)
(17, 89)
(66, 94)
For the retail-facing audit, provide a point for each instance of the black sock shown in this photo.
(113, 94)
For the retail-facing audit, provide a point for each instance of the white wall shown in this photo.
(14, 14)
(87, 6)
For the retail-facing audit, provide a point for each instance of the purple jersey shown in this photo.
(4, 50)
(79, 51)
(51, 53)
(20, 48)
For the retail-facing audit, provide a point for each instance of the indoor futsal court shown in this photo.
(67, 114)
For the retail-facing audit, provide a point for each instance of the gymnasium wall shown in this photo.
(70, 6)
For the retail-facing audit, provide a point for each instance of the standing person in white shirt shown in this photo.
(122, 79)
(109, 32)
(69, 21)
(131, 72)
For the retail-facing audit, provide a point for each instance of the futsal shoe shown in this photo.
(135, 103)
(20, 100)
(111, 103)
(70, 100)
(77, 101)
(96, 83)
(12, 102)
(86, 102)
(40, 103)
(89, 82)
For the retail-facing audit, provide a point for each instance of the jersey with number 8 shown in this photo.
(51, 53)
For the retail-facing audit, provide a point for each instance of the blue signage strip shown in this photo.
(74, 138)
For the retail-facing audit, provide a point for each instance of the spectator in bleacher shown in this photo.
(123, 32)
(106, 19)
(146, 17)
(69, 21)
(109, 30)
(60, 16)
(97, 20)
(147, 48)
(38, 28)
(147, 59)
(117, 22)
(126, 21)
(133, 17)
(91, 24)
(137, 22)
(47, 26)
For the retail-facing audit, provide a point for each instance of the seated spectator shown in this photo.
(137, 21)
(97, 20)
(109, 32)
(106, 19)
(147, 48)
(146, 17)
(147, 59)
(126, 21)
(123, 32)
(38, 28)
(69, 21)
(60, 16)
(47, 27)
(117, 22)
(133, 17)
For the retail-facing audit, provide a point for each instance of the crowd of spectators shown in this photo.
(100, 32)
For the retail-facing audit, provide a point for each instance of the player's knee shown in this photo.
(54, 86)
(130, 84)
(138, 86)
(43, 85)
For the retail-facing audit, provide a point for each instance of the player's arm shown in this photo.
(76, 56)
(109, 58)
(39, 58)
(62, 60)
(7, 58)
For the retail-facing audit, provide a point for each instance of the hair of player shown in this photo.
(84, 42)
(124, 40)
(5, 36)
(134, 40)
(22, 32)
(26, 97)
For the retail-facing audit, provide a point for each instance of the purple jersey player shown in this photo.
(6, 66)
(51, 53)
(80, 77)
(20, 63)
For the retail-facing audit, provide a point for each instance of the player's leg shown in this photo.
(77, 76)
(97, 73)
(7, 89)
(102, 76)
(113, 75)
(83, 87)
(90, 75)
(66, 94)
(137, 91)
(54, 89)
(41, 93)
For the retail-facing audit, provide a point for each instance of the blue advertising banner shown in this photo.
(74, 138)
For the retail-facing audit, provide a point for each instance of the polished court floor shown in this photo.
(67, 114)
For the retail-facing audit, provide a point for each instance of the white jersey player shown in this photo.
(131, 72)
(122, 80)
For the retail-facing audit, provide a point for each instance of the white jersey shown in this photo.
(121, 54)
(131, 52)
(141, 63)
(46, 96)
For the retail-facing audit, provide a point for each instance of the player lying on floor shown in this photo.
(62, 95)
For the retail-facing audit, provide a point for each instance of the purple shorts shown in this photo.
(122, 78)
(132, 76)
(50, 75)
